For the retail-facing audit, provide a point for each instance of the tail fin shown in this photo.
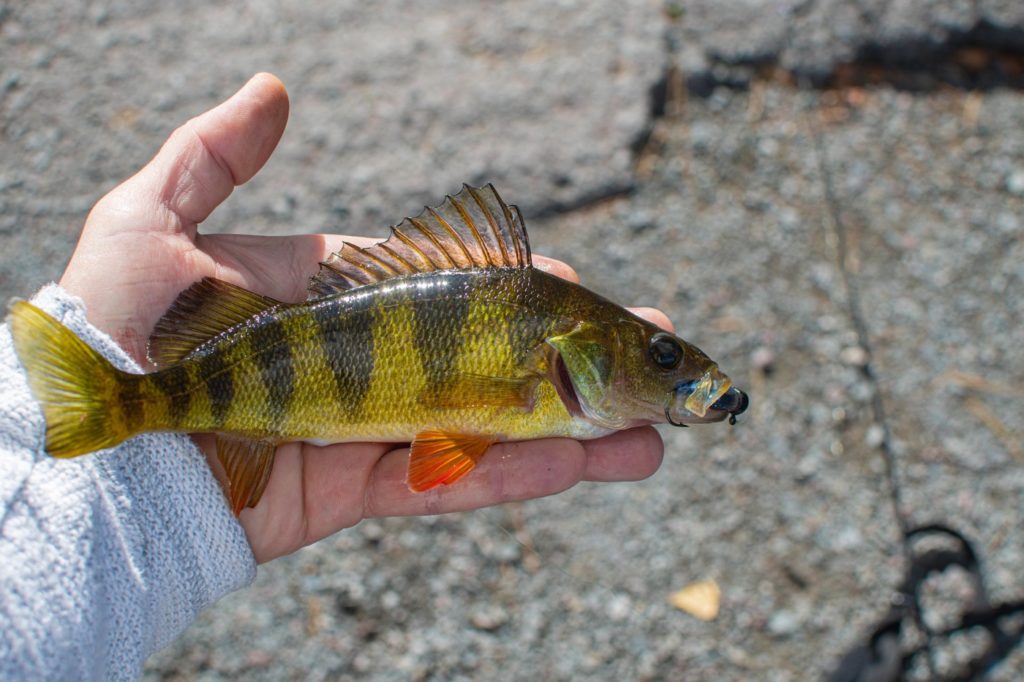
(79, 389)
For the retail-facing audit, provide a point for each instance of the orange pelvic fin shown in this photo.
(438, 458)
(248, 464)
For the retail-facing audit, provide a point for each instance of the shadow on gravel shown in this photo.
(983, 58)
(986, 57)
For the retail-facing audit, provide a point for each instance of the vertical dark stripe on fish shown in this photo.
(273, 356)
(438, 336)
(173, 383)
(522, 325)
(130, 399)
(348, 351)
(220, 385)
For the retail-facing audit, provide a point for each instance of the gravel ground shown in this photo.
(394, 104)
(775, 225)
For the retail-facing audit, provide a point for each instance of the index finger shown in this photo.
(556, 267)
(515, 470)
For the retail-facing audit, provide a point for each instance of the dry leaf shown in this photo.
(700, 599)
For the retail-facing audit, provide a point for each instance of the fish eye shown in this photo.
(665, 351)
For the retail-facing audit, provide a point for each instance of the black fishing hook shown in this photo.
(668, 418)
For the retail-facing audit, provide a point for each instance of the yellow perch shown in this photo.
(444, 335)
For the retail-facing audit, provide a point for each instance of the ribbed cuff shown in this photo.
(182, 540)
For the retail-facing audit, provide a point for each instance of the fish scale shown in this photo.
(348, 349)
(443, 336)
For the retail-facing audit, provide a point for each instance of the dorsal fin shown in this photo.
(201, 312)
(473, 229)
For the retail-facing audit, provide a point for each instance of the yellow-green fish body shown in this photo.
(444, 336)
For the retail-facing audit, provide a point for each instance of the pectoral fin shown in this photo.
(248, 464)
(477, 390)
(439, 458)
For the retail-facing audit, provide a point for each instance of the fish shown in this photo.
(444, 336)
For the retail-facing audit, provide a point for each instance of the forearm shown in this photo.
(103, 558)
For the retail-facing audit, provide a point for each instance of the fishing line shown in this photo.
(882, 658)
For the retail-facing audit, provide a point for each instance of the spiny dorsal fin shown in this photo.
(473, 229)
(201, 312)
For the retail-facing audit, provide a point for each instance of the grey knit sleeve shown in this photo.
(107, 557)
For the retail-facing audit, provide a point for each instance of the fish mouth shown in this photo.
(712, 398)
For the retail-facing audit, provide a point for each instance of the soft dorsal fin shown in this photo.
(473, 229)
(201, 312)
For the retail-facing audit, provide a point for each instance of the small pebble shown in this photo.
(283, 206)
(1015, 183)
(854, 356)
(874, 436)
(619, 607)
(762, 358)
(488, 618)
(258, 658)
(784, 623)
(390, 599)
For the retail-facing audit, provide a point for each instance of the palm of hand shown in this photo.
(140, 248)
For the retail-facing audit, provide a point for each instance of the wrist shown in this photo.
(157, 495)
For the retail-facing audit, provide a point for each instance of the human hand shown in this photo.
(140, 248)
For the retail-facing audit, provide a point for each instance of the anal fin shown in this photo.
(248, 464)
(439, 458)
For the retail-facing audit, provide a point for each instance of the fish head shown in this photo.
(674, 381)
(632, 373)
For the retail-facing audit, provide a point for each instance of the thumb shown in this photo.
(206, 158)
(123, 278)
